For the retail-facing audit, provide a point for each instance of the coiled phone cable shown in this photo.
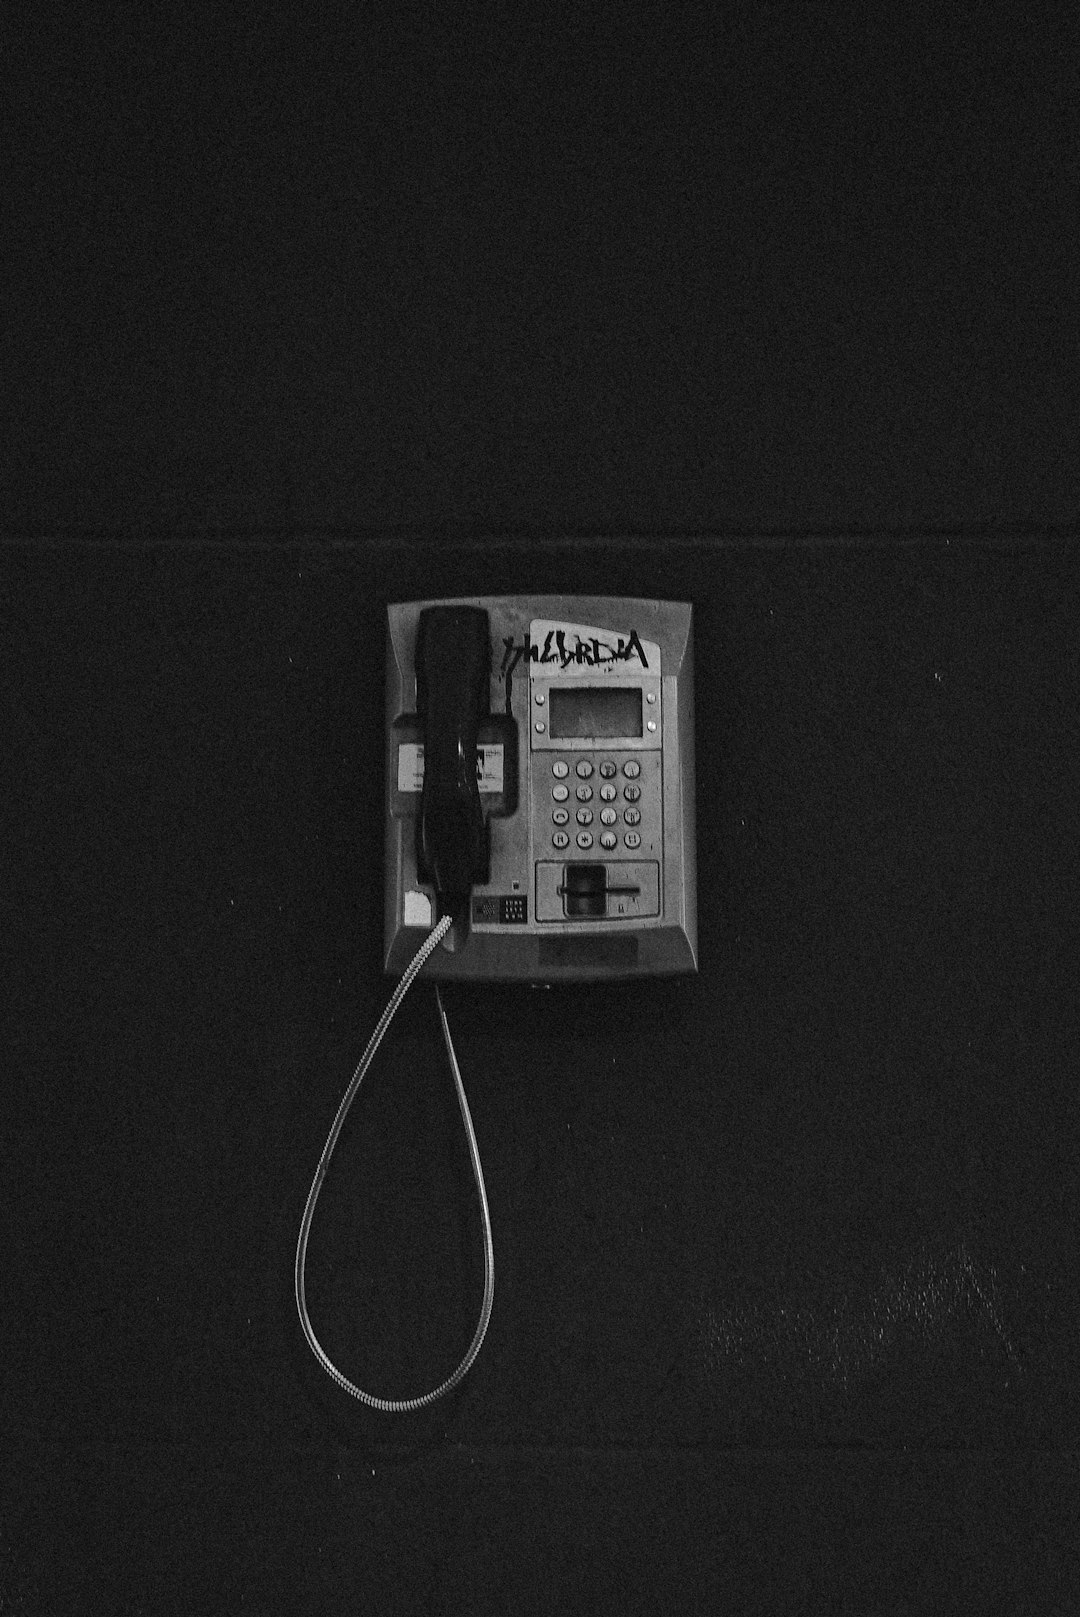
(398, 1405)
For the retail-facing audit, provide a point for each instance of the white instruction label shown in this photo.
(417, 908)
(410, 767)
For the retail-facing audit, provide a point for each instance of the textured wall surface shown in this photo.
(819, 1199)
(772, 270)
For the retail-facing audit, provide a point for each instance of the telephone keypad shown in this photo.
(632, 824)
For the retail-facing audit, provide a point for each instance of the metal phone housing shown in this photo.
(585, 769)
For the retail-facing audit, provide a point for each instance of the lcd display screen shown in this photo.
(582, 711)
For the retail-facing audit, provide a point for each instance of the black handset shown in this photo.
(453, 669)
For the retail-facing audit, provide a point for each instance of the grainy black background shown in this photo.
(774, 313)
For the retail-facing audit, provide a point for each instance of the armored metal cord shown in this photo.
(398, 1405)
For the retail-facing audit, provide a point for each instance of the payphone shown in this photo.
(540, 787)
(539, 821)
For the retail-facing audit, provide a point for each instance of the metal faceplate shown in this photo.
(585, 770)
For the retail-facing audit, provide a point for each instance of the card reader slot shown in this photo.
(582, 890)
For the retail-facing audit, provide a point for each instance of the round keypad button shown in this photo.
(632, 839)
(560, 839)
(560, 793)
(632, 816)
(560, 769)
(584, 839)
(607, 793)
(560, 816)
(584, 768)
(631, 769)
(631, 793)
(608, 816)
(607, 769)
(608, 839)
(584, 794)
(584, 816)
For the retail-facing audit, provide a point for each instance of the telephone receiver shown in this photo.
(453, 844)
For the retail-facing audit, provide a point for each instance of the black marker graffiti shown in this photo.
(593, 653)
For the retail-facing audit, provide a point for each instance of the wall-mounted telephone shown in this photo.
(540, 787)
(539, 821)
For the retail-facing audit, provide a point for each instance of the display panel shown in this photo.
(607, 711)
